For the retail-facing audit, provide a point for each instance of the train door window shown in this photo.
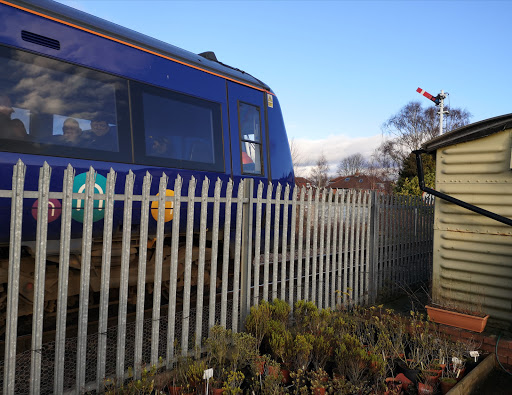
(54, 108)
(176, 130)
(250, 138)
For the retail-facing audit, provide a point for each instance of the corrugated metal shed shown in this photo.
(473, 253)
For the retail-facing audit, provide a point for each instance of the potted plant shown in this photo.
(195, 374)
(428, 381)
(302, 348)
(280, 311)
(178, 373)
(218, 346)
(281, 344)
(434, 371)
(340, 385)
(258, 321)
(319, 380)
(353, 361)
(243, 351)
(449, 378)
(446, 384)
(299, 381)
(269, 382)
(322, 347)
(305, 315)
(233, 383)
(425, 388)
(393, 386)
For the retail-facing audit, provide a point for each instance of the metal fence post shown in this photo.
(39, 277)
(13, 285)
(374, 246)
(245, 269)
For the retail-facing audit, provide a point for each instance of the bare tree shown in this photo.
(380, 166)
(320, 173)
(352, 164)
(296, 157)
(413, 125)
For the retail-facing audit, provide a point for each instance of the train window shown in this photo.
(250, 138)
(176, 130)
(54, 108)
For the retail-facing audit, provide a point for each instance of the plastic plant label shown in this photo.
(456, 361)
(208, 374)
(474, 354)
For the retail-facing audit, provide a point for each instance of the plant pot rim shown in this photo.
(453, 310)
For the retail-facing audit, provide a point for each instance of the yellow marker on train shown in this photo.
(168, 207)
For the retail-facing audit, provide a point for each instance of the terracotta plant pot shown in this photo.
(318, 391)
(446, 384)
(393, 385)
(433, 375)
(458, 320)
(461, 374)
(411, 374)
(260, 366)
(174, 390)
(274, 371)
(217, 391)
(404, 380)
(425, 389)
(286, 376)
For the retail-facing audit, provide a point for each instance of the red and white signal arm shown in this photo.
(246, 159)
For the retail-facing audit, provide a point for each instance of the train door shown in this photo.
(248, 133)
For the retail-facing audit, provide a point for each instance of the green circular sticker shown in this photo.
(78, 204)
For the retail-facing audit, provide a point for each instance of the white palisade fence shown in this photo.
(149, 289)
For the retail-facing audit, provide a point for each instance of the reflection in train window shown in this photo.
(250, 138)
(55, 108)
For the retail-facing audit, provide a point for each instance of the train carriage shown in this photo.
(76, 89)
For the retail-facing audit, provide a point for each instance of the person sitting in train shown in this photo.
(100, 135)
(160, 146)
(71, 132)
(10, 128)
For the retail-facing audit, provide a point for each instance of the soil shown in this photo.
(498, 382)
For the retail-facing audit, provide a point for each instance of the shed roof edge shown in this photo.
(470, 132)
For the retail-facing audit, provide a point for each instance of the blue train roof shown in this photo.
(207, 61)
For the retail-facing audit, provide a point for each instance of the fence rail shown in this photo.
(221, 255)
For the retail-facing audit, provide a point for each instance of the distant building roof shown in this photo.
(303, 182)
(360, 181)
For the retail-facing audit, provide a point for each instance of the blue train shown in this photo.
(77, 89)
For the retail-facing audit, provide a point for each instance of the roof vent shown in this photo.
(210, 55)
(40, 40)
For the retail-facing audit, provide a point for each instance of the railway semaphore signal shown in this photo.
(439, 101)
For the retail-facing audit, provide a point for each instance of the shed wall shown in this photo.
(473, 253)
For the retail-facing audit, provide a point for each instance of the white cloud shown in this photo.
(334, 148)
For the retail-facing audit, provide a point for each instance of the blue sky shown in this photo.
(342, 68)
